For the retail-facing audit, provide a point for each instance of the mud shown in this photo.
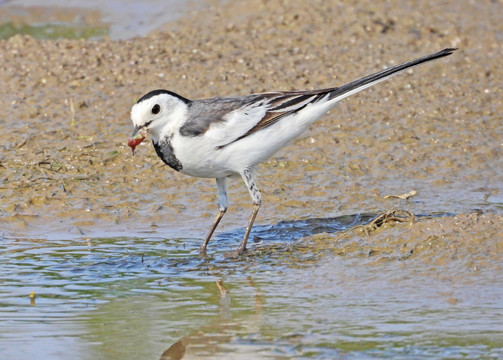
(65, 169)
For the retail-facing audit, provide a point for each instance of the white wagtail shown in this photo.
(221, 137)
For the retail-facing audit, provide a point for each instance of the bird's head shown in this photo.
(155, 113)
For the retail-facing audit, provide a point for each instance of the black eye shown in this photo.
(155, 109)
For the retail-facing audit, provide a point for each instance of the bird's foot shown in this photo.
(235, 254)
(202, 251)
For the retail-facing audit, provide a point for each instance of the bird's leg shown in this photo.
(242, 247)
(257, 200)
(223, 203)
(220, 214)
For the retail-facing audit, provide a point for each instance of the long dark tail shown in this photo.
(367, 81)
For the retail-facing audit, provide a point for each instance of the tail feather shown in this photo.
(358, 85)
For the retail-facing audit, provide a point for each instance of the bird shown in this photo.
(225, 137)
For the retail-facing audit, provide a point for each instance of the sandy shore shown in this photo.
(65, 169)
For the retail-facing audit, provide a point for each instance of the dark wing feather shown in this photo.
(282, 104)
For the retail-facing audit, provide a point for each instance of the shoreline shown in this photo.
(65, 160)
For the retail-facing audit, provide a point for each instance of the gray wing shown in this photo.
(203, 113)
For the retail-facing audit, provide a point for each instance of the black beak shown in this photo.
(136, 129)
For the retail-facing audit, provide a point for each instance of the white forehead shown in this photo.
(142, 112)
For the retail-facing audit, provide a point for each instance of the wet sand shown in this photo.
(65, 170)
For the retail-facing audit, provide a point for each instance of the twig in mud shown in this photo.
(21, 143)
(403, 196)
(72, 109)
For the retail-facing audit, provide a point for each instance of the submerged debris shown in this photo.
(32, 298)
(390, 216)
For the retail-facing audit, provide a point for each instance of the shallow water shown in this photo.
(135, 298)
(89, 19)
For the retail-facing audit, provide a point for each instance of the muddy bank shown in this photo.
(65, 168)
(444, 245)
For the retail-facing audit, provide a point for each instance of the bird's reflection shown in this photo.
(209, 339)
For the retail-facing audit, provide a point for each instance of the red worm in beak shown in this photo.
(135, 141)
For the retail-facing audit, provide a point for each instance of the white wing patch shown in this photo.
(237, 123)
